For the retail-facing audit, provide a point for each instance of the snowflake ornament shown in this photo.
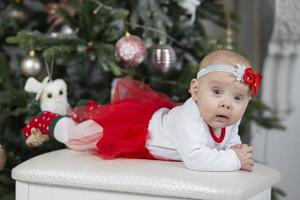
(130, 50)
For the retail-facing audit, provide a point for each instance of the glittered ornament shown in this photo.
(130, 50)
(31, 65)
(18, 13)
(2, 157)
(163, 58)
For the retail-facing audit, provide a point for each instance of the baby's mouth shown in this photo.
(222, 118)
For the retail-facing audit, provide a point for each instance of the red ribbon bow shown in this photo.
(252, 79)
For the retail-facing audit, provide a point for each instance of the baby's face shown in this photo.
(221, 99)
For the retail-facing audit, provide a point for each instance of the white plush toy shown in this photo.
(53, 98)
(52, 94)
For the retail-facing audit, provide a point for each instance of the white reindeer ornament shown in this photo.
(52, 94)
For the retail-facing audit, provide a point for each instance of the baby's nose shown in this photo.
(57, 100)
(225, 105)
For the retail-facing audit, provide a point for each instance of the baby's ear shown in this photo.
(194, 86)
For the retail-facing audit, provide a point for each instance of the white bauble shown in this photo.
(31, 66)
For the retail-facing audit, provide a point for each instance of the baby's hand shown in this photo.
(244, 153)
(241, 146)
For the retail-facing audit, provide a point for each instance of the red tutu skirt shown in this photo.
(125, 120)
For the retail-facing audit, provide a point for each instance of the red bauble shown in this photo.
(130, 50)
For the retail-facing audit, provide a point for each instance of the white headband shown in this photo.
(237, 71)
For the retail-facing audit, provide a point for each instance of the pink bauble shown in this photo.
(131, 50)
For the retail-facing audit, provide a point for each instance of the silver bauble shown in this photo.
(163, 58)
(31, 66)
(2, 157)
(62, 32)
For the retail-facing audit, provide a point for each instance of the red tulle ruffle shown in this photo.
(125, 120)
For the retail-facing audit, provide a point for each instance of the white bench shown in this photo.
(71, 175)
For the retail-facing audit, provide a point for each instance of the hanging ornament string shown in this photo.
(126, 26)
(49, 71)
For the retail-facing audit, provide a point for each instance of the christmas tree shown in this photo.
(89, 43)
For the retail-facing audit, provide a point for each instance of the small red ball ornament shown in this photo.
(130, 50)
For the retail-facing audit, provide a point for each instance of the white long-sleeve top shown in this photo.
(181, 134)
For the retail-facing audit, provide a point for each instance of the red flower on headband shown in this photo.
(252, 79)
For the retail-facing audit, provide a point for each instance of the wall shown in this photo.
(280, 149)
(276, 48)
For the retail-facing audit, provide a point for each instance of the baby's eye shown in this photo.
(49, 95)
(216, 91)
(61, 92)
(238, 98)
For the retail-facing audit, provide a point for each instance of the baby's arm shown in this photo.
(192, 144)
(235, 139)
(243, 151)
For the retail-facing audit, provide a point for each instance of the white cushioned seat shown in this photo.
(70, 170)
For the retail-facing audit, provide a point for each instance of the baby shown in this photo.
(142, 123)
